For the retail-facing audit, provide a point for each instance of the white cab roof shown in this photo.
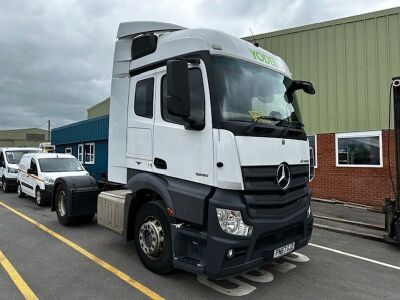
(175, 41)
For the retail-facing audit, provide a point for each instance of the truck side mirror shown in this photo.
(178, 94)
(306, 86)
(29, 171)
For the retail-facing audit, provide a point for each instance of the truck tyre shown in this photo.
(38, 197)
(5, 186)
(20, 193)
(397, 230)
(152, 236)
(61, 202)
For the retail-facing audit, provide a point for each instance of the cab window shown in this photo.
(144, 98)
(197, 100)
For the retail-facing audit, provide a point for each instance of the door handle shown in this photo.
(160, 163)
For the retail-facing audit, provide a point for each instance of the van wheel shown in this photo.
(38, 197)
(152, 236)
(62, 199)
(20, 193)
(5, 186)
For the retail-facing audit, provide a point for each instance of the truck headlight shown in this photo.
(231, 222)
(12, 170)
(48, 180)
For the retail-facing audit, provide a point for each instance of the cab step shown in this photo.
(189, 264)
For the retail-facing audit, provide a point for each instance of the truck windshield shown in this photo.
(249, 92)
(59, 165)
(14, 157)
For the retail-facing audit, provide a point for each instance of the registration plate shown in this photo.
(283, 250)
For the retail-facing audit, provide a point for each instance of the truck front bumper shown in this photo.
(210, 247)
(257, 250)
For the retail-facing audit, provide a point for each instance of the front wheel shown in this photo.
(153, 237)
(20, 193)
(39, 198)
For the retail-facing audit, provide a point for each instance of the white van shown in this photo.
(38, 171)
(9, 160)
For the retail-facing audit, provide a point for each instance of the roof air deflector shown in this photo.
(135, 28)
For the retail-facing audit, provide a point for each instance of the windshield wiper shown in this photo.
(255, 120)
(298, 124)
(269, 118)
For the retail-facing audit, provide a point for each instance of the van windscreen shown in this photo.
(14, 157)
(59, 165)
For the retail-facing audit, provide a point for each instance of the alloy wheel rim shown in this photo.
(151, 238)
(38, 198)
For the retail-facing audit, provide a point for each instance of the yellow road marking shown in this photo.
(16, 278)
(125, 277)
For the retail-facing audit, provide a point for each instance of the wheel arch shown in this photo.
(145, 187)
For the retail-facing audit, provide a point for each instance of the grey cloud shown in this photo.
(56, 56)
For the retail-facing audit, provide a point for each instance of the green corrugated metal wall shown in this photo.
(350, 61)
(100, 109)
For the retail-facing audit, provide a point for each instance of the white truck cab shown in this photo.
(38, 171)
(205, 134)
(9, 160)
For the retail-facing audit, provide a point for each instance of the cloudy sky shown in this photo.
(56, 56)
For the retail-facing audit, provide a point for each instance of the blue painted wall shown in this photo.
(88, 131)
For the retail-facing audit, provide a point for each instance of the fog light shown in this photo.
(230, 253)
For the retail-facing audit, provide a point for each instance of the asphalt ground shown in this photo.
(91, 262)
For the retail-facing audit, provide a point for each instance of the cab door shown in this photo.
(31, 179)
(139, 147)
(178, 152)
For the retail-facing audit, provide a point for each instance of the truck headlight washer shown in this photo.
(231, 222)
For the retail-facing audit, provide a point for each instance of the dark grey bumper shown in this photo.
(209, 246)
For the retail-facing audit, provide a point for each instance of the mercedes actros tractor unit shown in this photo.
(206, 138)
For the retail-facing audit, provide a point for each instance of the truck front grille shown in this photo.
(263, 196)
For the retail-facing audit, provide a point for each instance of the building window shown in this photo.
(80, 153)
(144, 98)
(89, 153)
(68, 150)
(312, 140)
(359, 149)
(197, 110)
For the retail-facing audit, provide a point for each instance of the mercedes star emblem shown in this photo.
(283, 176)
